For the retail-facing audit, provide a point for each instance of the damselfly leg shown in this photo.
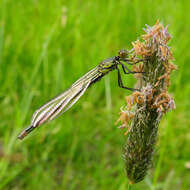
(125, 69)
(120, 82)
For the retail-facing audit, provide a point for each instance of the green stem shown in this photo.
(129, 187)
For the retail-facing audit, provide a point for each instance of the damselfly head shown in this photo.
(123, 53)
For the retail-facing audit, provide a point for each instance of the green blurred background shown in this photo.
(44, 47)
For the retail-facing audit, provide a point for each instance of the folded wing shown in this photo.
(61, 103)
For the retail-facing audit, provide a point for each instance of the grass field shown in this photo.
(44, 47)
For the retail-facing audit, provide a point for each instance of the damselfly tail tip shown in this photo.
(26, 132)
(22, 135)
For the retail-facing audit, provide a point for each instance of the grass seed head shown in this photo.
(151, 103)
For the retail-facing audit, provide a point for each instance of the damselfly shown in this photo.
(64, 101)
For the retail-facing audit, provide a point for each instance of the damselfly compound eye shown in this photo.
(123, 53)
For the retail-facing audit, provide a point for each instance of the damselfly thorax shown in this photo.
(68, 98)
